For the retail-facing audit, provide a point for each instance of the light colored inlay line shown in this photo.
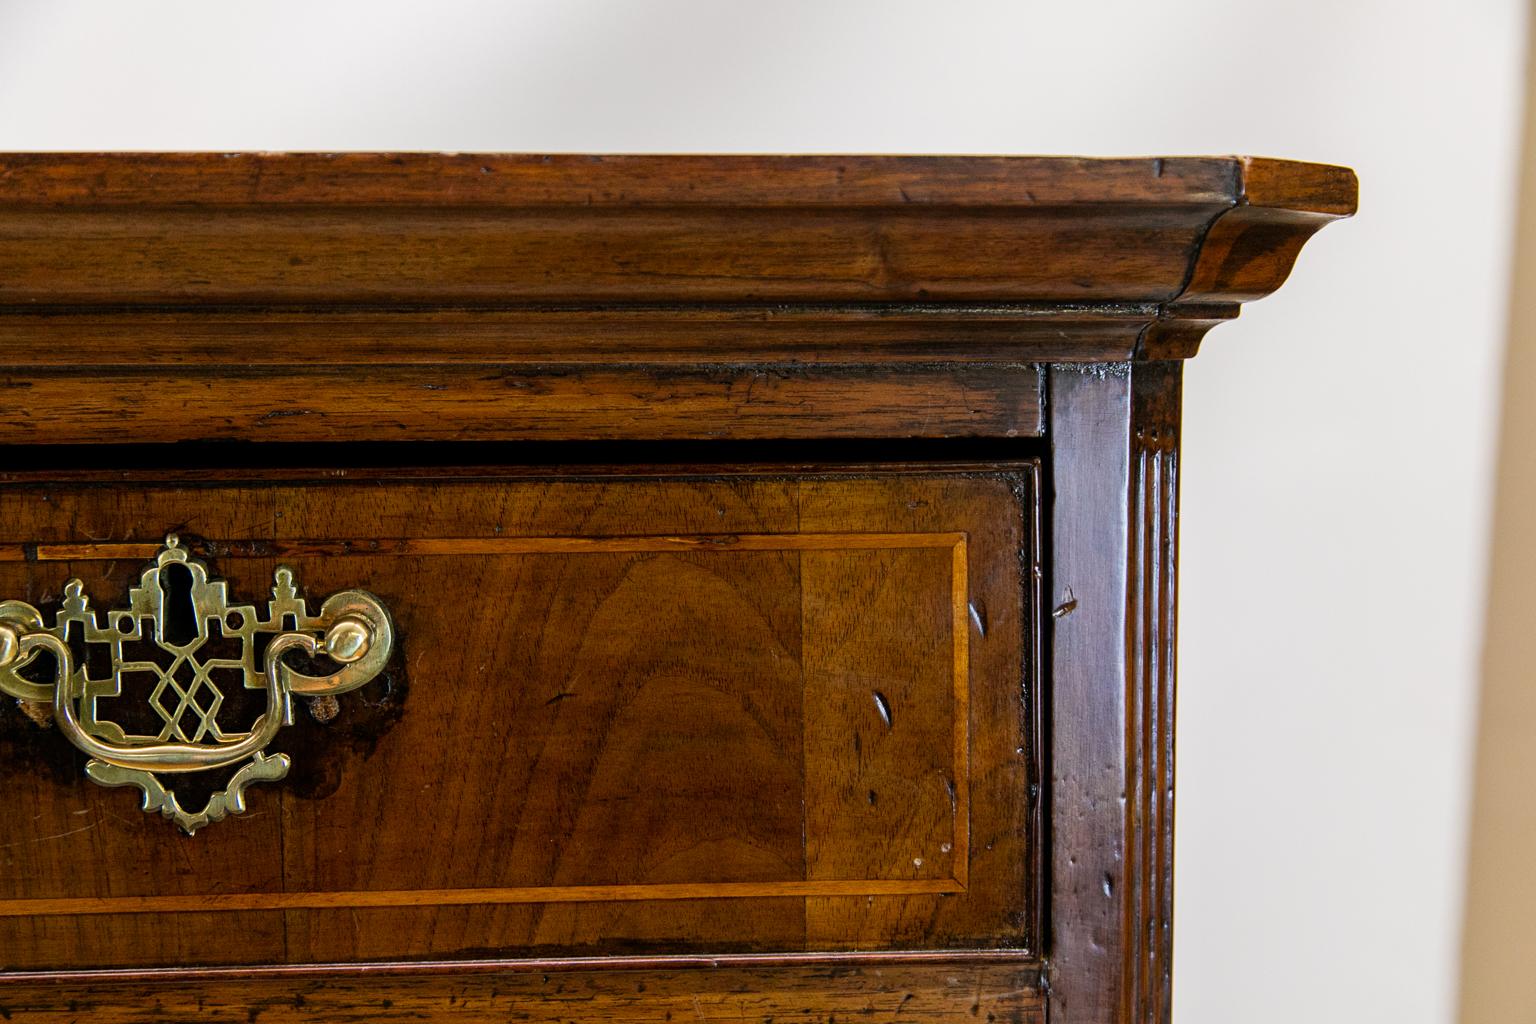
(498, 545)
(256, 901)
(961, 715)
(226, 902)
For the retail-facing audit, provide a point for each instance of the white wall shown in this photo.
(1498, 985)
(1337, 462)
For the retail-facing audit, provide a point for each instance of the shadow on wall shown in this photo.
(1498, 957)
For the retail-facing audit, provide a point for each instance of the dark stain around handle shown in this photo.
(324, 749)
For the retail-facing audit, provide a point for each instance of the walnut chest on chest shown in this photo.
(493, 588)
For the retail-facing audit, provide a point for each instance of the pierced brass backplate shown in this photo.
(188, 678)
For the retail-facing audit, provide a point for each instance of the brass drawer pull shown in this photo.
(352, 629)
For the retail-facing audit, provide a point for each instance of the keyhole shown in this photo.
(180, 617)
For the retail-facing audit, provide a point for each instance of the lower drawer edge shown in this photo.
(988, 987)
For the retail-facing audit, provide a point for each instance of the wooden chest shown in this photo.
(600, 588)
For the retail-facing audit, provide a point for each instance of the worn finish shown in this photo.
(185, 650)
(664, 715)
(357, 297)
(782, 551)
(737, 989)
(488, 402)
(1114, 471)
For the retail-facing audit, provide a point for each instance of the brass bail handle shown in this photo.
(352, 629)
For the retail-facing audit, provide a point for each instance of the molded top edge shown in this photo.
(466, 179)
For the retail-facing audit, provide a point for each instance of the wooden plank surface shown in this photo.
(529, 180)
(60, 405)
(179, 255)
(998, 992)
(149, 298)
(1114, 529)
(875, 335)
(640, 714)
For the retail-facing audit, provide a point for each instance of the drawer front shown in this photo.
(680, 713)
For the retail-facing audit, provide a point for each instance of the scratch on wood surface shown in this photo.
(979, 617)
(884, 707)
(47, 838)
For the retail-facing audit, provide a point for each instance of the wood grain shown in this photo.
(1153, 598)
(813, 993)
(488, 403)
(850, 334)
(635, 732)
(753, 182)
(289, 548)
(1114, 469)
(206, 903)
(169, 254)
(741, 487)
(226, 261)
(1003, 766)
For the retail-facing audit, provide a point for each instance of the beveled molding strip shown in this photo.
(180, 340)
(536, 256)
(954, 542)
